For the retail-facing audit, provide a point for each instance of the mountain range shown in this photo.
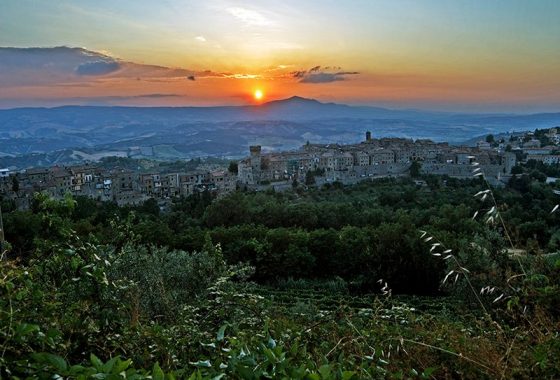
(47, 136)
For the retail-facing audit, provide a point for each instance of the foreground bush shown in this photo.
(77, 308)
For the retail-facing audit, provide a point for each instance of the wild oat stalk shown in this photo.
(492, 215)
(439, 250)
(489, 370)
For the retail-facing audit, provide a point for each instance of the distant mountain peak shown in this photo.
(294, 100)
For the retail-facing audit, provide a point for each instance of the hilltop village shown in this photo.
(312, 164)
(123, 186)
(373, 158)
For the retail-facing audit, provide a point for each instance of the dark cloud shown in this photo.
(299, 74)
(319, 74)
(24, 66)
(81, 67)
(37, 66)
(97, 67)
(321, 78)
(57, 58)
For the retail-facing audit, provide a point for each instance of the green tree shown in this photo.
(15, 184)
(539, 176)
(309, 178)
(21, 229)
(415, 169)
(150, 206)
(233, 167)
(517, 170)
(228, 211)
(433, 181)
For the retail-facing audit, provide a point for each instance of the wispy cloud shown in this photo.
(200, 38)
(241, 76)
(249, 16)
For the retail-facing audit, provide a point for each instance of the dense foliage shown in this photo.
(298, 285)
(371, 228)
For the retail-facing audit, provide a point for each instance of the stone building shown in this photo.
(369, 159)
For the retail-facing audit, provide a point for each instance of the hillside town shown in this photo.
(312, 164)
(372, 158)
(123, 186)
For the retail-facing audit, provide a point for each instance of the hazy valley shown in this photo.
(47, 136)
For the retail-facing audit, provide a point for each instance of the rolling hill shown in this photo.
(46, 136)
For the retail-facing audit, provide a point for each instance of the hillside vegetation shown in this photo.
(380, 280)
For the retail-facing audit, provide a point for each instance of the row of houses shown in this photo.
(372, 157)
(122, 186)
(328, 162)
(529, 147)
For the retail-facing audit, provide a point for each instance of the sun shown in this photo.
(258, 94)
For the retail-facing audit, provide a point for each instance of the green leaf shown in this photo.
(96, 362)
(325, 371)
(108, 367)
(38, 357)
(270, 355)
(271, 343)
(196, 376)
(76, 370)
(157, 373)
(121, 365)
(54, 360)
(200, 363)
(245, 373)
(9, 286)
(221, 333)
(427, 373)
(347, 375)
(24, 329)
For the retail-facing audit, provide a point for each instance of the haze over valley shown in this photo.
(47, 136)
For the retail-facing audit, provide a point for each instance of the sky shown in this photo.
(468, 56)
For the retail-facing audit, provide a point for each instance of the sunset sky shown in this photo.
(443, 55)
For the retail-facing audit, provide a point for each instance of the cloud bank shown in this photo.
(319, 74)
(97, 68)
(65, 66)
